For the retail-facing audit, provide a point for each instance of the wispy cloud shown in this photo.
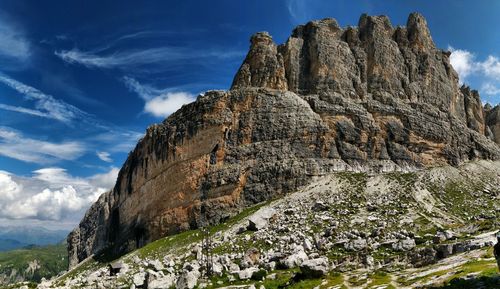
(133, 58)
(24, 110)
(152, 34)
(14, 144)
(64, 84)
(99, 135)
(13, 43)
(144, 91)
(46, 105)
(490, 89)
(299, 10)
(51, 194)
(159, 102)
(104, 156)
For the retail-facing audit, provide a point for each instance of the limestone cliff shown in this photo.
(367, 98)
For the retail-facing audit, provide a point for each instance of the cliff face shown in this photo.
(492, 121)
(372, 98)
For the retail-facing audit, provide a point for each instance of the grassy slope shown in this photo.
(157, 249)
(454, 194)
(52, 259)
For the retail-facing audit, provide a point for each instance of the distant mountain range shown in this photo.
(9, 244)
(18, 237)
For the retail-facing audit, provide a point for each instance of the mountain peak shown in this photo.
(418, 31)
(371, 98)
(373, 60)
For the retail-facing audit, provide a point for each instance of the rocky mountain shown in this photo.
(19, 236)
(492, 120)
(9, 244)
(372, 98)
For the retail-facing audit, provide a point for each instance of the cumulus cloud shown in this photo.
(158, 102)
(51, 194)
(166, 104)
(14, 144)
(8, 188)
(491, 67)
(463, 62)
(46, 205)
(104, 156)
(466, 65)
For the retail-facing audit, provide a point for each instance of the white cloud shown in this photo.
(488, 71)
(490, 89)
(491, 67)
(58, 177)
(166, 104)
(119, 59)
(299, 10)
(112, 138)
(158, 102)
(8, 188)
(463, 62)
(144, 91)
(106, 180)
(46, 205)
(133, 58)
(117, 141)
(24, 110)
(104, 156)
(15, 145)
(13, 44)
(46, 105)
(51, 194)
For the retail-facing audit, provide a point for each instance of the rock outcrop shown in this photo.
(369, 98)
(492, 121)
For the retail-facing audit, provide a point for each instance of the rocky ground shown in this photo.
(346, 230)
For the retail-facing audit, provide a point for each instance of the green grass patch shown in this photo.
(177, 243)
(52, 259)
(379, 278)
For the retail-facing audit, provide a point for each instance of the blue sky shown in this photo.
(81, 80)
